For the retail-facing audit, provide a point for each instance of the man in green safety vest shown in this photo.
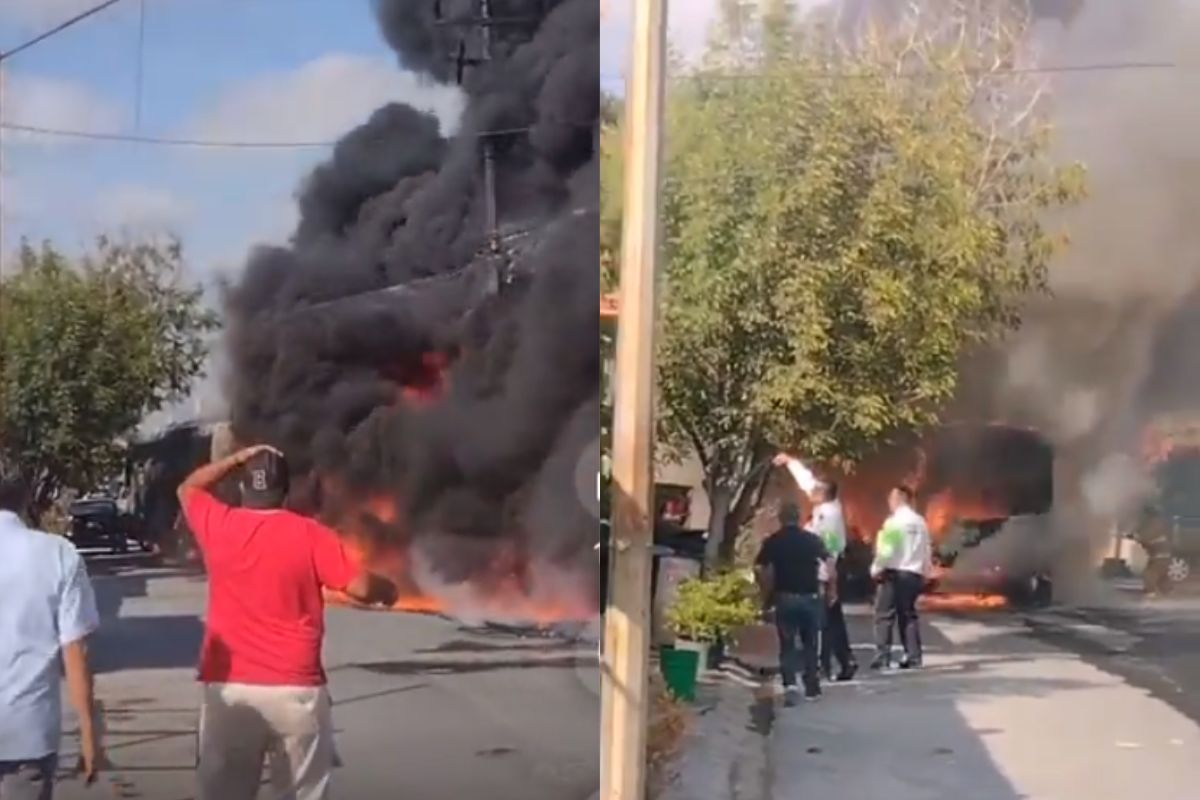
(903, 562)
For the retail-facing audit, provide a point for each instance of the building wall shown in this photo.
(687, 472)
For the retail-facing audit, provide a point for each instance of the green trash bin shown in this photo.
(679, 670)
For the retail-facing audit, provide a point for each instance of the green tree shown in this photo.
(87, 349)
(841, 224)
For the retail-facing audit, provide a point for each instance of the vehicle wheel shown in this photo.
(1178, 569)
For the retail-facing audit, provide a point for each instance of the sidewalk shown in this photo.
(994, 715)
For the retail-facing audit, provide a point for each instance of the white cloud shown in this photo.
(320, 101)
(44, 102)
(140, 208)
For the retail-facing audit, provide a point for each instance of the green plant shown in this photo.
(837, 235)
(707, 609)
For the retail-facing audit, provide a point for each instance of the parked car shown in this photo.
(1184, 560)
(1178, 501)
(98, 523)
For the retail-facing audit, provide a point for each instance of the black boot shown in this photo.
(848, 672)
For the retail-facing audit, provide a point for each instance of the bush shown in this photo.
(707, 609)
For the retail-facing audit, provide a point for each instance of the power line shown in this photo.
(57, 29)
(22, 47)
(159, 140)
(172, 141)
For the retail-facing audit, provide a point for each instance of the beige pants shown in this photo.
(242, 726)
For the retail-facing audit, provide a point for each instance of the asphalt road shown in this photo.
(424, 707)
(1153, 644)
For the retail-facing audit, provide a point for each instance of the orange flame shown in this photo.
(962, 601)
(1162, 440)
(954, 504)
(422, 380)
(505, 592)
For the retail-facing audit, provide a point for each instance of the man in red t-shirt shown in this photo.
(264, 685)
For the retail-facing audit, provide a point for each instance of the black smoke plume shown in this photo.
(1111, 350)
(392, 271)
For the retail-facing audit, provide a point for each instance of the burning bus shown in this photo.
(986, 491)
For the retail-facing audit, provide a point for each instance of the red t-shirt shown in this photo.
(266, 569)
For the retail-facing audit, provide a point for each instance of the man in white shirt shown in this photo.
(903, 563)
(47, 610)
(827, 521)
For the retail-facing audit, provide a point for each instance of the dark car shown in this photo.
(97, 523)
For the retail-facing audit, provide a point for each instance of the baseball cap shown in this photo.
(265, 480)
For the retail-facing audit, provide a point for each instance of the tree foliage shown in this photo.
(87, 349)
(840, 225)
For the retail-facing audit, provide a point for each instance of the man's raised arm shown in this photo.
(803, 476)
(209, 475)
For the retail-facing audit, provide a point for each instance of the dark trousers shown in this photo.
(798, 616)
(835, 639)
(896, 605)
(28, 780)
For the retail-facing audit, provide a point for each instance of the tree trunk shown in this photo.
(742, 511)
(720, 498)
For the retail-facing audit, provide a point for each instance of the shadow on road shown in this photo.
(913, 724)
(468, 646)
(111, 595)
(157, 642)
(457, 667)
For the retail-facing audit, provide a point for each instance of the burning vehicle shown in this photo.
(1171, 453)
(425, 348)
(998, 562)
(985, 490)
(154, 468)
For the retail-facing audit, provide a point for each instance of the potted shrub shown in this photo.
(707, 609)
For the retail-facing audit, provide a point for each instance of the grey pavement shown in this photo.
(998, 713)
(424, 707)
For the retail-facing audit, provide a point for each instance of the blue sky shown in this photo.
(248, 70)
(225, 70)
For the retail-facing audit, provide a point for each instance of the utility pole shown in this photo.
(626, 650)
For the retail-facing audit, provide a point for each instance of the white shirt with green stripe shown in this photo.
(903, 544)
(829, 523)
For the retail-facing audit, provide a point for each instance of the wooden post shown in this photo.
(627, 623)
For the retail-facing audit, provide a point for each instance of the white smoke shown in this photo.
(1114, 485)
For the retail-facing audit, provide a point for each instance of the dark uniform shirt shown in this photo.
(794, 556)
